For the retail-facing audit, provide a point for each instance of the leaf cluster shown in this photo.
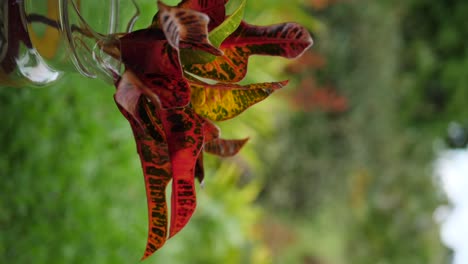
(166, 96)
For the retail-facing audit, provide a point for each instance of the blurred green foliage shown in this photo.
(363, 178)
(434, 64)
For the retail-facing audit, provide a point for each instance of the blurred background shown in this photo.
(351, 163)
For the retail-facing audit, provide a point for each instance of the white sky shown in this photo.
(452, 169)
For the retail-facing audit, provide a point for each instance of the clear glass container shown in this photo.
(40, 40)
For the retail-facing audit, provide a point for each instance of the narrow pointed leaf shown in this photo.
(229, 25)
(156, 64)
(184, 134)
(200, 169)
(287, 40)
(210, 132)
(185, 28)
(154, 157)
(225, 147)
(223, 101)
(216, 36)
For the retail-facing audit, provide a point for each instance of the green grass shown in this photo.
(71, 185)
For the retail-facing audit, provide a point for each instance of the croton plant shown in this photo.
(180, 75)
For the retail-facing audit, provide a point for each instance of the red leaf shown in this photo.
(184, 134)
(154, 156)
(225, 147)
(287, 40)
(185, 28)
(148, 54)
(215, 9)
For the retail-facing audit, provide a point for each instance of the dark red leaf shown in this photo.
(210, 132)
(148, 54)
(200, 169)
(215, 9)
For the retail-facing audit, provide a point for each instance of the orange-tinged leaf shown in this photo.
(185, 28)
(154, 156)
(223, 101)
(287, 40)
(184, 134)
(224, 147)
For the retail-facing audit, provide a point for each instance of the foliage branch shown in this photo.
(180, 75)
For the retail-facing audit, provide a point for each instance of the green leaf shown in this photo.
(216, 36)
(223, 31)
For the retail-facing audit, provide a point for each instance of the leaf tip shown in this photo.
(283, 83)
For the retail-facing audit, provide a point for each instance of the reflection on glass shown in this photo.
(40, 40)
(33, 67)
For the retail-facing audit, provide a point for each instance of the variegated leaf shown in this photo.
(148, 54)
(154, 156)
(185, 28)
(184, 134)
(216, 36)
(223, 101)
(287, 40)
